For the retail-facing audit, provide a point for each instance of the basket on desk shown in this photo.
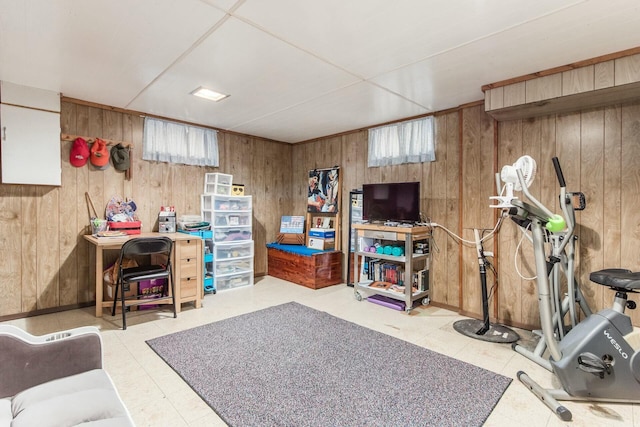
(98, 225)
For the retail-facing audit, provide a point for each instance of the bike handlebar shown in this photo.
(556, 166)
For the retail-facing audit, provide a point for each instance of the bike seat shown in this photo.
(617, 278)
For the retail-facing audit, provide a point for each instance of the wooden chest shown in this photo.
(313, 271)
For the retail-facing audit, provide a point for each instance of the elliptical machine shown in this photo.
(561, 242)
(599, 358)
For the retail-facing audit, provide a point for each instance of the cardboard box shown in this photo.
(324, 233)
(321, 244)
(237, 189)
(109, 290)
(150, 289)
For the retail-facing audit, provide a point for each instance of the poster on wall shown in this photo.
(324, 190)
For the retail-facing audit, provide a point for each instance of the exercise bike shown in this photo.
(598, 359)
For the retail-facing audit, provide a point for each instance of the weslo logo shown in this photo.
(615, 345)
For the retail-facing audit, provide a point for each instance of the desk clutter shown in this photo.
(120, 218)
(167, 219)
(121, 215)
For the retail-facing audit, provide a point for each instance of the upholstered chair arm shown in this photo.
(27, 360)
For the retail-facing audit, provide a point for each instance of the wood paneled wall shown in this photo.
(440, 189)
(598, 150)
(46, 264)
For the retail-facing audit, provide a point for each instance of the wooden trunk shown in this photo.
(314, 271)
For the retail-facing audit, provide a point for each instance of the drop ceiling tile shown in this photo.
(261, 74)
(223, 4)
(281, 60)
(354, 107)
(455, 77)
(370, 37)
(100, 51)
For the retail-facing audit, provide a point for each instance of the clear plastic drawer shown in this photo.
(232, 250)
(235, 281)
(231, 219)
(232, 266)
(232, 234)
(232, 203)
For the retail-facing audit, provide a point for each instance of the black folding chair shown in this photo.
(161, 247)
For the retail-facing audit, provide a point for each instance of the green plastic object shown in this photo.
(556, 223)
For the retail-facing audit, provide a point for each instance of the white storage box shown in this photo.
(217, 183)
(321, 244)
(325, 233)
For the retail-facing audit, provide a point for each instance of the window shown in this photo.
(172, 142)
(405, 142)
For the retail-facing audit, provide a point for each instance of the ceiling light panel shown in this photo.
(209, 94)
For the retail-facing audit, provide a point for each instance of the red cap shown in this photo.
(79, 153)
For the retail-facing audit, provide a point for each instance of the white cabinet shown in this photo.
(231, 223)
(30, 135)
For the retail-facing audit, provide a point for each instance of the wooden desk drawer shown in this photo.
(188, 267)
(188, 287)
(189, 248)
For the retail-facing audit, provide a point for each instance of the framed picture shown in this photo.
(292, 224)
(324, 190)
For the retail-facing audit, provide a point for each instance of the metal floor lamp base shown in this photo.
(495, 333)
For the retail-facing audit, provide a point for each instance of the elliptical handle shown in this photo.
(556, 166)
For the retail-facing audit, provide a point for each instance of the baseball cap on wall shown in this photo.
(120, 157)
(79, 154)
(100, 154)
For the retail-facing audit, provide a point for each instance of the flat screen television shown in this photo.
(397, 202)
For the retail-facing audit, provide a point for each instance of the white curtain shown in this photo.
(172, 142)
(406, 142)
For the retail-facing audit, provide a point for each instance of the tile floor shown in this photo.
(156, 396)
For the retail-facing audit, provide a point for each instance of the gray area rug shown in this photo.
(291, 365)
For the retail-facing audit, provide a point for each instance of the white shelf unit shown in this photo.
(231, 223)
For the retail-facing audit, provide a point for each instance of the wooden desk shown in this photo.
(186, 261)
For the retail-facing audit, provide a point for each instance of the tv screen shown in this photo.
(398, 202)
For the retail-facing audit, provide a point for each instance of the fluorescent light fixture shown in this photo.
(209, 94)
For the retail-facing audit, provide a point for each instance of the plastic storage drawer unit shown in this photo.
(217, 183)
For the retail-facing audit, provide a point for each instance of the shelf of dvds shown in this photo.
(389, 259)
